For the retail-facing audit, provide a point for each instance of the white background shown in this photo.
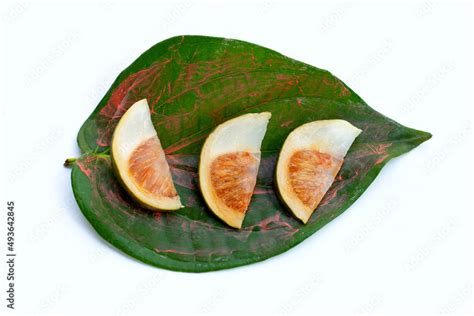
(406, 246)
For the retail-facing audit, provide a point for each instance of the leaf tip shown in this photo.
(424, 136)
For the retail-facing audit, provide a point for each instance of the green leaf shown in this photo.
(192, 84)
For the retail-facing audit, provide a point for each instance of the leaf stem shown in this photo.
(69, 162)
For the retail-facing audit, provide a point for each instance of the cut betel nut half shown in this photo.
(309, 161)
(229, 164)
(140, 162)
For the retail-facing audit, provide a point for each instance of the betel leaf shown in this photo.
(192, 84)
